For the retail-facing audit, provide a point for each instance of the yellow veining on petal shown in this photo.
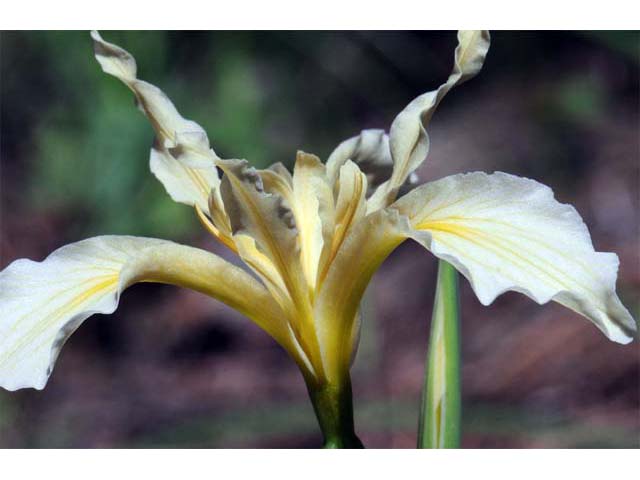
(365, 248)
(265, 268)
(277, 256)
(345, 220)
(520, 231)
(68, 307)
(503, 248)
(210, 227)
(352, 186)
(44, 303)
(314, 211)
(267, 219)
(198, 180)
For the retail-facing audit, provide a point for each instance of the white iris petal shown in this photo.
(504, 233)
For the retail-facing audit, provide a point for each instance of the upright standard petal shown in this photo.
(369, 150)
(185, 139)
(191, 186)
(43, 303)
(181, 157)
(504, 233)
(408, 138)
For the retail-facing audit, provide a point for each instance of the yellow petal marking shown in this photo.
(312, 203)
(103, 286)
(350, 208)
(506, 249)
(206, 223)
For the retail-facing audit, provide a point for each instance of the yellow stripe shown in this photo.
(206, 223)
(474, 236)
(199, 182)
(345, 224)
(522, 232)
(59, 292)
(66, 309)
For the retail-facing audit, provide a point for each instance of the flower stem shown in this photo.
(440, 413)
(333, 405)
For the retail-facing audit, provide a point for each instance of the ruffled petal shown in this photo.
(370, 151)
(266, 234)
(184, 139)
(181, 157)
(504, 232)
(408, 138)
(191, 186)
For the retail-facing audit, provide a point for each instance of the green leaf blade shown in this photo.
(440, 413)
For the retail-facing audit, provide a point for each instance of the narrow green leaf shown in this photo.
(439, 425)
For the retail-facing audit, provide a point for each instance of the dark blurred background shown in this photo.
(174, 368)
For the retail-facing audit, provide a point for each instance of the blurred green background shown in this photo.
(172, 368)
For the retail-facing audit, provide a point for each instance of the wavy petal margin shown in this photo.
(43, 303)
(181, 157)
(504, 232)
(408, 138)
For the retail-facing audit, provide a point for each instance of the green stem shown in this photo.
(439, 425)
(333, 405)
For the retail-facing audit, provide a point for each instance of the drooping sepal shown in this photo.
(504, 232)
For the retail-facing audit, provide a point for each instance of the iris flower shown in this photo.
(311, 241)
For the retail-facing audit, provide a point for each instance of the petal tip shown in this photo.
(622, 336)
(13, 384)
